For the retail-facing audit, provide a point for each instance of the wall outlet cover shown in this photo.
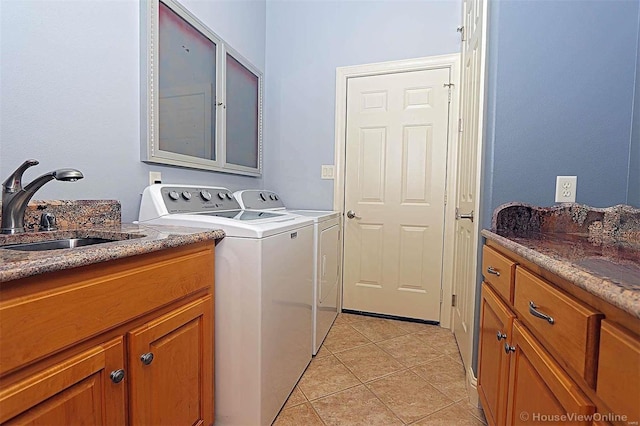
(566, 188)
(155, 177)
(327, 172)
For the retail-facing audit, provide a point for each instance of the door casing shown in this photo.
(343, 74)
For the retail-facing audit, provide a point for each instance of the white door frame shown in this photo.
(451, 61)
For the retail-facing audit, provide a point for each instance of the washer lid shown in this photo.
(316, 215)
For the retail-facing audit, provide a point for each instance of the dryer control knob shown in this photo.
(205, 195)
(174, 195)
(229, 196)
(275, 197)
(271, 197)
(221, 195)
(186, 195)
(263, 197)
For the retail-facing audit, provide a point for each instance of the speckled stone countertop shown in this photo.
(132, 240)
(598, 250)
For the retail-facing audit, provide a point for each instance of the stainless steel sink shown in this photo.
(57, 244)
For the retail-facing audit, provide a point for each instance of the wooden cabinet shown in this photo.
(572, 357)
(170, 370)
(496, 320)
(539, 390)
(123, 342)
(619, 370)
(78, 390)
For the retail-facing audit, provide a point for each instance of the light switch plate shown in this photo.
(566, 187)
(327, 171)
(155, 177)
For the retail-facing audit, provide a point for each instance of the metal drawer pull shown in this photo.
(493, 271)
(501, 335)
(533, 311)
(508, 349)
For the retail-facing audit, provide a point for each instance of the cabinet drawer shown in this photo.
(498, 271)
(78, 304)
(619, 371)
(568, 328)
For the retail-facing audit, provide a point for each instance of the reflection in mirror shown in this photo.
(186, 85)
(242, 117)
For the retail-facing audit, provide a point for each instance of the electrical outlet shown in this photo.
(155, 177)
(566, 187)
(327, 172)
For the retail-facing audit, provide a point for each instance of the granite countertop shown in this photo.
(598, 250)
(132, 240)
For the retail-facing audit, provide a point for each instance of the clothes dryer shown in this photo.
(327, 246)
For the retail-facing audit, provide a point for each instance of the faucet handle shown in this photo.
(14, 181)
(47, 222)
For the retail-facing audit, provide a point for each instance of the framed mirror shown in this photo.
(202, 101)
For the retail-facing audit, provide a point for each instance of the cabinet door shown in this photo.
(171, 363)
(493, 362)
(73, 392)
(539, 390)
(619, 371)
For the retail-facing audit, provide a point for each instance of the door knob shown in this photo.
(351, 214)
(464, 216)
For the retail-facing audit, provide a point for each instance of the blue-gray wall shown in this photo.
(70, 92)
(306, 41)
(561, 79)
(633, 193)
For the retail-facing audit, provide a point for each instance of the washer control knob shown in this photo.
(205, 195)
(174, 195)
(229, 196)
(263, 197)
(275, 197)
(271, 197)
(186, 195)
(221, 195)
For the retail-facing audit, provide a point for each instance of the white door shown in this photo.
(466, 243)
(395, 173)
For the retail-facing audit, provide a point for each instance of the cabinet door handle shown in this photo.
(147, 358)
(508, 349)
(493, 271)
(501, 335)
(117, 376)
(533, 310)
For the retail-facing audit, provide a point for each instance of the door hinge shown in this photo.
(460, 29)
(453, 300)
(460, 125)
(440, 295)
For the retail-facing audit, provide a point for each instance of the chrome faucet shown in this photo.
(15, 198)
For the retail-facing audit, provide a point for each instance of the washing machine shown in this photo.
(327, 246)
(263, 296)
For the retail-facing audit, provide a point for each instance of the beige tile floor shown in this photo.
(373, 371)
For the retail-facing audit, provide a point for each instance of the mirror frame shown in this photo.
(150, 151)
